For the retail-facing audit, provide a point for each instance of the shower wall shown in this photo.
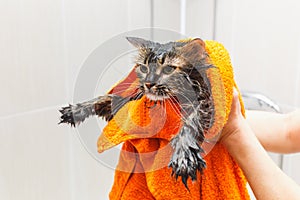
(263, 38)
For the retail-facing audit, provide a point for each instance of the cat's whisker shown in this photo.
(117, 107)
(128, 84)
(120, 91)
(183, 98)
(126, 87)
(176, 101)
(176, 109)
(187, 78)
(187, 109)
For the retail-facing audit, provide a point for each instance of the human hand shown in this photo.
(263, 175)
(236, 126)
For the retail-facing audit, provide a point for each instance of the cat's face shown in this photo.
(163, 69)
(158, 76)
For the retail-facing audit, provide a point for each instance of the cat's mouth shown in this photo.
(156, 93)
(154, 97)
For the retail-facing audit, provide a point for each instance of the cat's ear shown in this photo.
(194, 50)
(139, 42)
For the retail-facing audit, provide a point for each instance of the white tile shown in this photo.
(87, 26)
(291, 166)
(34, 154)
(225, 19)
(200, 19)
(138, 13)
(277, 158)
(32, 55)
(90, 178)
(263, 46)
(263, 42)
(167, 14)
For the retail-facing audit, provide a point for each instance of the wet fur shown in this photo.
(187, 86)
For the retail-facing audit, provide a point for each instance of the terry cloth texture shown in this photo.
(146, 130)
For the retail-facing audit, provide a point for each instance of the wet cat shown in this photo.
(174, 71)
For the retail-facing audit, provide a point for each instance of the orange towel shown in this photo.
(142, 171)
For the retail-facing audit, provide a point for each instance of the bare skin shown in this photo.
(278, 133)
(265, 178)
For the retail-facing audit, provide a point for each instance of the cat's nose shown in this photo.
(149, 85)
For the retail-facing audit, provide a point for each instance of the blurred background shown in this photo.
(43, 44)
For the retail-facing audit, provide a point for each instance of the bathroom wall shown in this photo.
(45, 43)
(263, 38)
(34, 151)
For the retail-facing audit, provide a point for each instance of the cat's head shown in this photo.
(164, 69)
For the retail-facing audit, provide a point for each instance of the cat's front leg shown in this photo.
(186, 159)
(103, 106)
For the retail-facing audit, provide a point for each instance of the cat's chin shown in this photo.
(155, 97)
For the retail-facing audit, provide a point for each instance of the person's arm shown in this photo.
(265, 178)
(276, 132)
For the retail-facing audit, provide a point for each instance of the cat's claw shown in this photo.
(67, 115)
(186, 163)
(186, 159)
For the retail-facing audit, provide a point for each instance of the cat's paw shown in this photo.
(76, 114)
(67, 115)
(186, 159)
(185, 163)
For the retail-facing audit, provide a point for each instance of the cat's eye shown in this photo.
(143, 69)
(168, 69)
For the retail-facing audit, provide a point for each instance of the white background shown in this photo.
(44, 43)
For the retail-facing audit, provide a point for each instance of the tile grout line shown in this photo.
(29, 112)
(69, 96)
(70, 157)
(183, 17)
(214, 32)
(151, 19)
